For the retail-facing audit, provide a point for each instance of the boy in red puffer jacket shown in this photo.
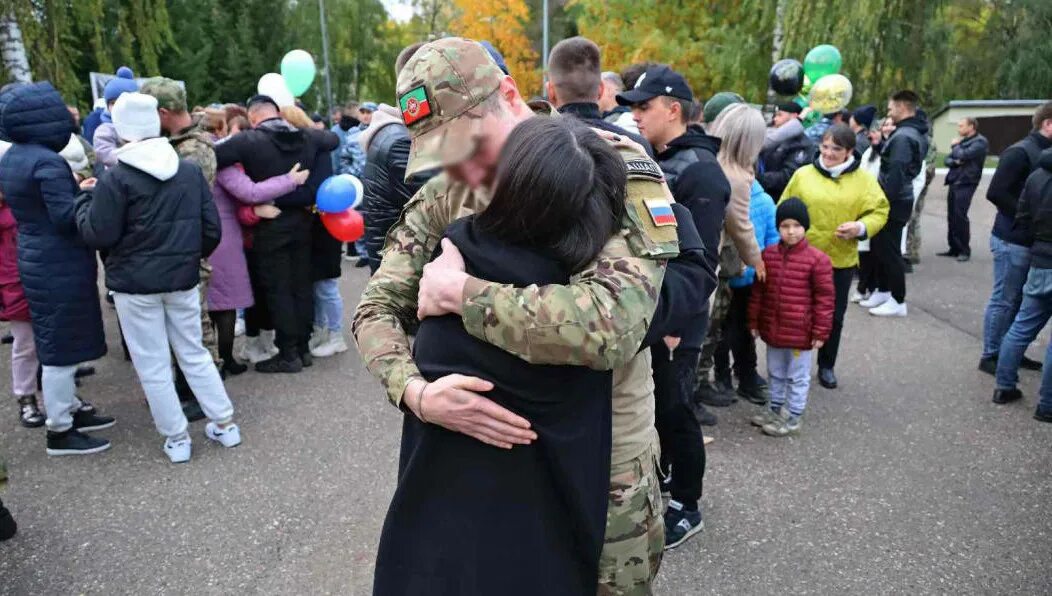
(793, 312)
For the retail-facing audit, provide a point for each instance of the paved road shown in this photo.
(905, 480)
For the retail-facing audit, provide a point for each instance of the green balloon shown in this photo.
(297, 68)
(821, 61)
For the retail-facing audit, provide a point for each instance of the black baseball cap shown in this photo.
(258, 99)
(791, 107)
(657, 81)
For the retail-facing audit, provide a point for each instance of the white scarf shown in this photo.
(836, 171)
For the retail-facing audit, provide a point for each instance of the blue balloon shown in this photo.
(339, 193)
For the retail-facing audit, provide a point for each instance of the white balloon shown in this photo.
(359, 191)
(273, 85)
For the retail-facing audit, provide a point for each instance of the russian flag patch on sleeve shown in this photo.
(660, 211)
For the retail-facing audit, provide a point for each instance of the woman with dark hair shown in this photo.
(469, 518)
(845, 205)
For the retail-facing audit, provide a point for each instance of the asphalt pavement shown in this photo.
(906, 479)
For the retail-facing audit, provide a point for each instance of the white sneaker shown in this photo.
(178, 451)
(875, 299)
(267, 341)
(239, 327)
(319, 336)
(891, 308)
(335, 344)
(253, 350)
(857, 297)
(227, 437)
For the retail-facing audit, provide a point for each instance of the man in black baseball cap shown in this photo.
(662, 103)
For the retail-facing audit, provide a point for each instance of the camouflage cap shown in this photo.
(439, 91)
(170, 94)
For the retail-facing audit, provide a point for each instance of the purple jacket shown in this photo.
(105, 142)
(230, 287)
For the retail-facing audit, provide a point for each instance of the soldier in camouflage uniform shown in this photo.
(913, 230)
(459, 108)
(191, 142)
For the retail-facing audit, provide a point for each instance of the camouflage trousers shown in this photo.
(913, 230)
(635, 529)
(721, 305)
(208, 332)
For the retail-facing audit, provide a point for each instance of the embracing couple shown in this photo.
(534, 271)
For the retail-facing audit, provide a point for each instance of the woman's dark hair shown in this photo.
(560, 188)
(841, 135)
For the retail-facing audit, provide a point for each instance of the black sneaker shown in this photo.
(988, 365)
(73, 442)
(88, 421)
(680, 525)
(1029, 364)
(192, 410)
(964, 257)
(705, 417)
(277, 364)
(8, 527)
(948, 253)
(827, 378)
(1043, 415)
(233, 367)
(1004, 396)
(29, 412)
(752, 390)
(711, 394)
(85, 406)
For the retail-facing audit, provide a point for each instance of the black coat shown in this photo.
(386, 189)
(697, 182)
(901, 159)
(468, 519)
(589, 114)
(782, 161)
(1034, 213)
(155, 232)
(58, 270)
(966, 161)
(1014, 167)
(326, 251)
(272, 148)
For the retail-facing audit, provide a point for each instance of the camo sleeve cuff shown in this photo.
(476, 303)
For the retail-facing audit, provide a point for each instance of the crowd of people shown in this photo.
(585, 278)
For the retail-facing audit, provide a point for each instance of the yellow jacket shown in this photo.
(854, 195)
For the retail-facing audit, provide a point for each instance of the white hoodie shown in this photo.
(383, 116)
(154, 156)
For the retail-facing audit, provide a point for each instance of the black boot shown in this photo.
(753, 388)
(712, 394)
(8, 527)
(280, 364)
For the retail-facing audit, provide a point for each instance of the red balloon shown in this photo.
(345, 226)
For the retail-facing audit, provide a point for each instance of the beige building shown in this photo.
(1001, 121)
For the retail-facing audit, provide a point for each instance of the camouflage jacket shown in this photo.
(598, 321)
(196, 145)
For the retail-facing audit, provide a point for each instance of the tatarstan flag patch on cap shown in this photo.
(414, 105)
(660, 211)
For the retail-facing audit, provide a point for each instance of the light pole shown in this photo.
(544, 43)
(325, 57)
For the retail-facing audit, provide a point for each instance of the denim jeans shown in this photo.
(328, 305)
(1011, 264)
(1033, 314)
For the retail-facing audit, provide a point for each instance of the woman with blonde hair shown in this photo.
(741, 131)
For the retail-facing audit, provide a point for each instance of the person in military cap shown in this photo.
(459, 109)
(195, 144)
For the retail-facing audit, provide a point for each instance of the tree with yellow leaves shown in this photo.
(503, 24)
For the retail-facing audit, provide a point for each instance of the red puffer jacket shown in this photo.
(794, 306)
(13, 304)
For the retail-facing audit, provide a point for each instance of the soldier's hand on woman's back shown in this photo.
(453, 402)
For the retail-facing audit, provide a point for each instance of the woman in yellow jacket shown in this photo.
(845, 205)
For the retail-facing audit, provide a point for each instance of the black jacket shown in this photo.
(272, 148)
(697, 182)
(782, 160)
(58, 271)
(966, 161)
(590, 114)
(1034, 213)
(386, 189)
(901, 159)
(326, 251)
(156, 230)
(1015, 165)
